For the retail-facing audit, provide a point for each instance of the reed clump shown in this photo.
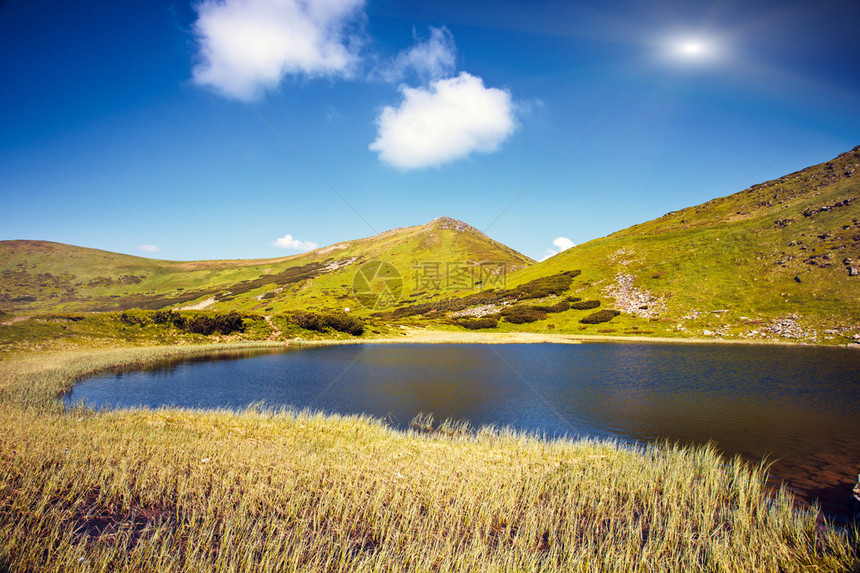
(266, 490)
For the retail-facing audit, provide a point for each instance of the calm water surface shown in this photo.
(799, 407)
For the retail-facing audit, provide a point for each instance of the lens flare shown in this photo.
(692, 50)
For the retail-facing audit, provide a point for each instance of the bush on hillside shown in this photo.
(209, 324)
(205, 324)
(557, 307)
(600, 316)
(58, 317)
(164, 317)
(543, 286)
(322, 321)
(585, 305)
(523, 314)
(479, 323)
(133, 320)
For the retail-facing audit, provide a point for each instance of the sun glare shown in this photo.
(691, 50)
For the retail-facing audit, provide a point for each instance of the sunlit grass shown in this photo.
(260, 490)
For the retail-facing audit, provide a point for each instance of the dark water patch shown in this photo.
(797, 407)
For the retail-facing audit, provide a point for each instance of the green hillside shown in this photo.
(39, 276)
(775, 261)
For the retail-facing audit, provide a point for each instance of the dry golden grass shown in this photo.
(178, 490)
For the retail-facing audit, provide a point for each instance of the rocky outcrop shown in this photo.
(633, 300)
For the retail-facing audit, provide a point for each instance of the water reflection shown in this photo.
(798, 406)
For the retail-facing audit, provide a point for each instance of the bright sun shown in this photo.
(692, 50)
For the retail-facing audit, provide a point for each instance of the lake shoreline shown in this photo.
(425, 336)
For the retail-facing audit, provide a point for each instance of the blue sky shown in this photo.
(259, 128)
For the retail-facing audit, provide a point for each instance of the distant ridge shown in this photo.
(51, 277)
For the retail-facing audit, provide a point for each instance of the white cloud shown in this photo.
(448, 120)
(431, 59)
(288, 242)
(563, 244)
(248, 46)
(149, 248)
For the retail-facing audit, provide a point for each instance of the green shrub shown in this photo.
(573, 299)
(585, 305)
(133, 320)
(523, 314)
(557, 307)
(58, 317)
(343, 322)
(163, 317)
(205, 324)
(209, 324)
(479, 323)
(543, 286)
(600, 316)
(320, 322)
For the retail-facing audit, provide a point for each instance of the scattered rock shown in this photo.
(480, 311)
(788, 327)
(798, 279)
(852, 271)
(632, 300)
(824, 208)
(707, 333)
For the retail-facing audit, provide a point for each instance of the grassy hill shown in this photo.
(39, 276)
(777, 261)
(771, 262)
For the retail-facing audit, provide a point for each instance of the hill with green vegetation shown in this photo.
(776, 262)
(50, 290)
(40, 276)
(779, 260)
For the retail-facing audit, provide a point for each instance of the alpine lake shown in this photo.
(794, 409)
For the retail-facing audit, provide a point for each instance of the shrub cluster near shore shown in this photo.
(175, 490)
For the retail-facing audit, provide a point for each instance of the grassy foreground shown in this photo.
(174, 490)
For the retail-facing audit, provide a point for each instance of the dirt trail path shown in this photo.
(14, 320)
(276, 332)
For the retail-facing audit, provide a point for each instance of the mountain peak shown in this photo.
(451, 224)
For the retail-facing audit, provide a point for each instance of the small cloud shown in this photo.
(563, 244)
(247, 46)
(431, 59)
(288, 242)
(448, 120)
(149, 248)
